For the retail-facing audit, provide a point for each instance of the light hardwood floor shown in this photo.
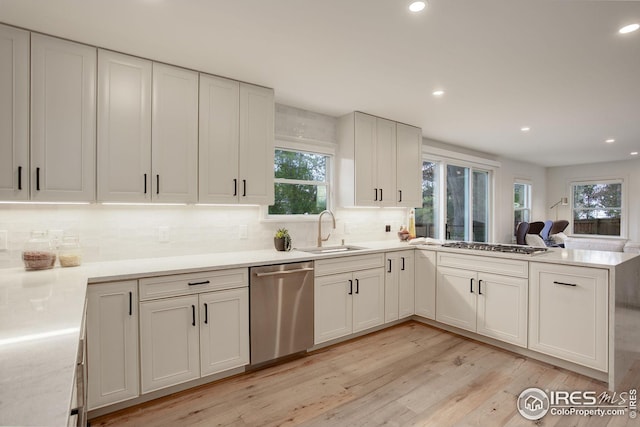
(407, 375)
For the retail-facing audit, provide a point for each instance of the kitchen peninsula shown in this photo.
(43, 311)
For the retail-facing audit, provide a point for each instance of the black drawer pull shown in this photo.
(19, 177)
(389, 271)
(37, 179)
(471, 286)
(193, 313)
(376, 199)
(480, 287)
(400, 200)
(350, 287)
(381, 194)
(157, 184)
(402, 264)
(244, 188)
(564, 284)
(206, 313)
(145, 183)
(235, 186)
(206, 282)
(130, 303)
(357, 286)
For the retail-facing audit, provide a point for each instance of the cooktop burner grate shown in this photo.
(495, 247)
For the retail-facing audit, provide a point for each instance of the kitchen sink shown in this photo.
(331, 249)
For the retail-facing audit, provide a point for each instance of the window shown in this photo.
(427, 216)
(597, 208)
(521, 203)
(301, 183)
(459, 207)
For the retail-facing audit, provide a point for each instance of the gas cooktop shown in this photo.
(495, 247)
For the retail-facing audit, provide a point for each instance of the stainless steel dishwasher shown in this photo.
(281, 310)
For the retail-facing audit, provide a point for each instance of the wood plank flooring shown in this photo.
(408, 375)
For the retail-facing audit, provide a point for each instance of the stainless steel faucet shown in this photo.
(320, 239)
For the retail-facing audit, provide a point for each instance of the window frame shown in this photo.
(316, 147)
(529, 197)
(623, 208)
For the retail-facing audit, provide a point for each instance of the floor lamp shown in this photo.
(563, 201)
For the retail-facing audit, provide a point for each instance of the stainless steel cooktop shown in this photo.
(496, 247)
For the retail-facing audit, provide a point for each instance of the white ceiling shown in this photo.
(558, 66)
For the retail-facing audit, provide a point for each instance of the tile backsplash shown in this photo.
(110, 232)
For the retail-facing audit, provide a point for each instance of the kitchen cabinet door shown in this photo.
(456, 298)
(385, 162)
(219, 140)
(408, 166)
(425, 283)
(391, 286)
(174, 157)
(224, 330)
(406, 284)
(63, 120)
(256, 145)
(333, 306)
(124, 128)
(14, 113)
(368, 299)
(366, 190)
(112, 343)
(169, 342)
(502, 308)
(568, 313)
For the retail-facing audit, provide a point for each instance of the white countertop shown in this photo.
(41, 313)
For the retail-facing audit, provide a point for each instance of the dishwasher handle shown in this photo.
(281, 272)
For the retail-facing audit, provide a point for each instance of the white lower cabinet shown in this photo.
(425, 283)
(185, 337)
(399, 284)
(568, 315)
(349, 296)
(112, 343)
(490, 304)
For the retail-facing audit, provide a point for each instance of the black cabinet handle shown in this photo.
(235, 186)
(381, 194)
(157, 184)
(37, 179)
(19, 177)
(199, 283)
(350, 287)
(565, 284)
(376, 199)
(145, 183)
(193, 313)
(480, 287)
(244, 188)
(130, 303)
(471, 286)
(399, 200)
(357, 286)
(389, 270)
(206, 313)
(402, 264)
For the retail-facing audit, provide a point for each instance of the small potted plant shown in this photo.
(282, 240)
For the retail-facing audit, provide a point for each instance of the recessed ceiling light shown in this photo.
(417, 6)
(610, 141)
(629, 28)
(634, 153)
(525, 128)
(438, 92)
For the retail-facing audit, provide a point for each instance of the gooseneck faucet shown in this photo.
(320, 239)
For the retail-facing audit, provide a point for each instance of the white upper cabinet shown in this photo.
(14, 114)
(379, 162)
(408, 166)
(63, 120)
(236, 142)
(124, 128)
(219, 139)
(174, 134)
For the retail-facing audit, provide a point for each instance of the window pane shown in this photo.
(597, 209)
(480, 206)
(299, 199)
(302, 166)
(427, 216)
(521, 203)
(457, 203)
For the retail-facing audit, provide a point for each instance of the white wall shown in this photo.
(560, 178)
